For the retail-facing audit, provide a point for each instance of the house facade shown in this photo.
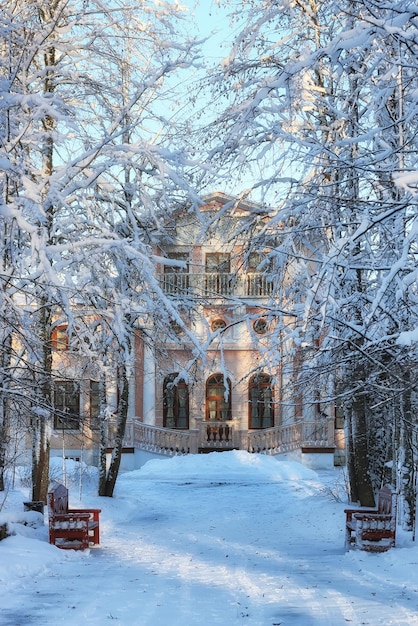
(221, 378)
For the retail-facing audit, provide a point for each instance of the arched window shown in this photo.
(261, 411)
(176, 403)
(218, 399)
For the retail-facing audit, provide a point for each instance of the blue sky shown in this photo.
(212, 18)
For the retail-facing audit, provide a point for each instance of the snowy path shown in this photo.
(222, 554)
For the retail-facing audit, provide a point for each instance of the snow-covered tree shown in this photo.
(89, 169)
(321, 119)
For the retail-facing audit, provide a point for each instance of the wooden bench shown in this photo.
(373, 529)
(71, 529)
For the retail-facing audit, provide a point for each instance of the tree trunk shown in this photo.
(407, 442)
(40, 462)
(351, 468)
(41, 446)
(103, 436)
(364, 486)
(4, 408)
(3, 447)
(115, 461)
(41, 422)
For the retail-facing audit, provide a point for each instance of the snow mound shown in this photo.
(23, 557)
(233, 466)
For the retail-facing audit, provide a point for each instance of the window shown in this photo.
(254, 260)
(94, 404)
(218, 399)
(339, 417)
(218, 277)
(261, 412)
(176, 328)
(60, 337)
(175, 403)
(66, 405)
(260, 326)
(218, 262)
(61, 340)
(217, 324)
(258, 283)
(176, 279)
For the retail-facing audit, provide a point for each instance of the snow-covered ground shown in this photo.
(220, 539)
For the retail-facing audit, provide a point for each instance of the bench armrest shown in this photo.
(92, 513)
(361, 509)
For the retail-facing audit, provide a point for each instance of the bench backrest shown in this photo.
(386, 502)
(58, 500)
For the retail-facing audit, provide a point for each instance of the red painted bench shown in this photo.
(373, 530)
(71, 529)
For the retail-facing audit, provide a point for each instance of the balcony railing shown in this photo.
(168, 442)
(153, 439)
(289, 437)
(217, 284)
(218, 435)
(224, 436)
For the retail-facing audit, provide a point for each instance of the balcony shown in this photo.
(215, 285)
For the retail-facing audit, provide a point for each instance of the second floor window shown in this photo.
(218, 276)
(258, 282)
(60, 337)
(62, 340)
(254, 260)
(176, 278)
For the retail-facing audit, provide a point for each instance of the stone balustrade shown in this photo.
(225, 436)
